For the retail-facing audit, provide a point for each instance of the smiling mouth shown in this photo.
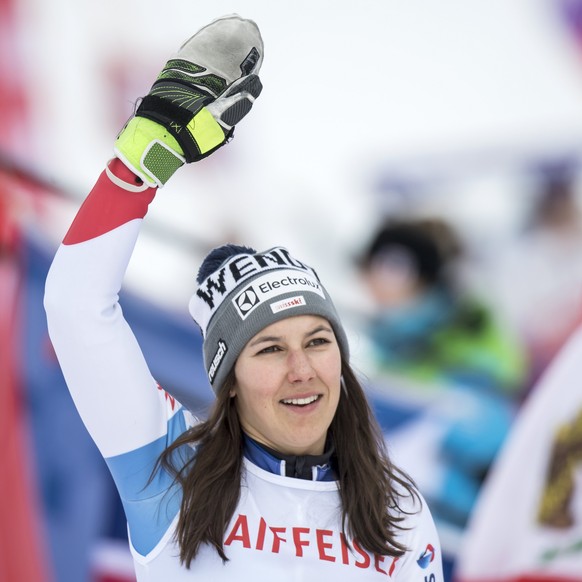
(301, 401)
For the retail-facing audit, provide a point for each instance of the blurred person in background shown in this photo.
(428, 334)
(426, 326)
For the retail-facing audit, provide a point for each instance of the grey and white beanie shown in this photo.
(242, 291)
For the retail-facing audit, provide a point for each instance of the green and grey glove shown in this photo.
(204, 90)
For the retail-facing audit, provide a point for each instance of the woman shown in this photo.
(287, 478)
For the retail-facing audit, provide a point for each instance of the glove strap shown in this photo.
(197, 132)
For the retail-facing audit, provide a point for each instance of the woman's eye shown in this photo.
(269, 350)
(320, 341)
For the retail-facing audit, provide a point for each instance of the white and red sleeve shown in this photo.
(109, 380)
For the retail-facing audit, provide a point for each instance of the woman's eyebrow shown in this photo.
(275, 338)
(319, 329)
(265, 338)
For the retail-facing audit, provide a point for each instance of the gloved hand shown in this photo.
(204, 90)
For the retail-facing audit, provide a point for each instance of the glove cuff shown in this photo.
(149, 150)
(155, 151)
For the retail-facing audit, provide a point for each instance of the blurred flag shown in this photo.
(527, 526)
(22, 552)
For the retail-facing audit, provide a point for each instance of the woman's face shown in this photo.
(393, 279)
(288, 384)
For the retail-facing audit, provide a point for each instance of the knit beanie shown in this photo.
(242, 291)
(413, 241)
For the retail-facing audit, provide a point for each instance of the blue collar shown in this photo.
(314, 468)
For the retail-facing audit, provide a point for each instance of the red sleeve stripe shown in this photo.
(110, 204)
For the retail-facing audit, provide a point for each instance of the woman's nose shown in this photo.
(300, 367)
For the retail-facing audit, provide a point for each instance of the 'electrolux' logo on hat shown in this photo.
(246, 300)
(274, 284)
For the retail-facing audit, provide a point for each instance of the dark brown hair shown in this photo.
(370, 486)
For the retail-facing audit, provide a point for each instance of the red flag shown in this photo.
(21, 551)
(21, 557)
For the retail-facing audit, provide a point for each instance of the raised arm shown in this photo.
(102, 363)
(190, 111)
